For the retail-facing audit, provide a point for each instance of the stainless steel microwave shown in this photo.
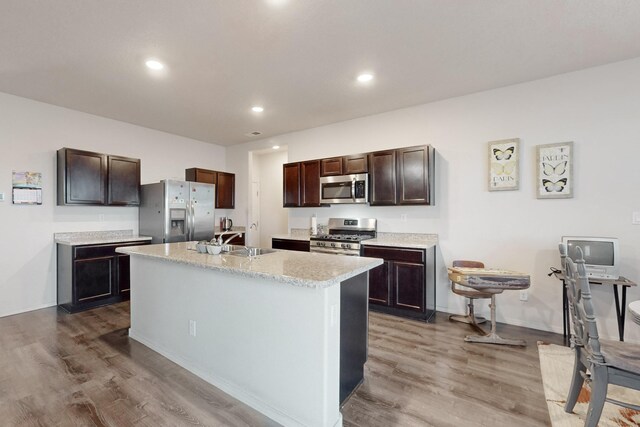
(344, 189)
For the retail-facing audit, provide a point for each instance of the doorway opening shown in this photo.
(266, 214)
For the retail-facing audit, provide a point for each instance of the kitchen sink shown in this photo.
(231, 248)
(249, 252)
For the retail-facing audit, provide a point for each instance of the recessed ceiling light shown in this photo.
(277, 3)
(275, 147)
(257, 109)
(154, 64)
(365, 77)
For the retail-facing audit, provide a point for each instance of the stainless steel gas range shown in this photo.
(344, 236)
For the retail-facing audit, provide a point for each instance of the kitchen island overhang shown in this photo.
(283, 332)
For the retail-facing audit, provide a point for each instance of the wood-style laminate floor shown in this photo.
(58, 369)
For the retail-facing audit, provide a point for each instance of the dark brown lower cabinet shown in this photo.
(404, 285)
(124, 275)
(379, 284)
(92, 275)
(290, 244)
(97, 278)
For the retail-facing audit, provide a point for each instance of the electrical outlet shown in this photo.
(192, 328)
(524, 295)
(635, 218)
(101, 217)
(1, 197)
(403, 217)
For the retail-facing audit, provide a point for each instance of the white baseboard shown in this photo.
(38, 307)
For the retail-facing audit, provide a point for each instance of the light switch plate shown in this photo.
(635, 218)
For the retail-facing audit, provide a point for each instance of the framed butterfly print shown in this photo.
(504, 169)
(555, 171)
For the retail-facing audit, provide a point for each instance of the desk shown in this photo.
(620, 307)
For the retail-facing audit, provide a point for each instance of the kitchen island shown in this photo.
(284, 332)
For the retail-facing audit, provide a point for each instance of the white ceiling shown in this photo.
(297, 58)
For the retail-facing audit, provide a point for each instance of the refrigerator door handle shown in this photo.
(188, 221)
(193, 222)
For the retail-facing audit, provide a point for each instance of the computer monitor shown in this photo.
(600, 255)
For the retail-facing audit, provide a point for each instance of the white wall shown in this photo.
(273, 218)
(30, 134)
(597, 108)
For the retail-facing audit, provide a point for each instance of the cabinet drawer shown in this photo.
(97, 251)
(290, 245)
(395, 254)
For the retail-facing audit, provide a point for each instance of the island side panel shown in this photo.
(354, 332)
(271, 345)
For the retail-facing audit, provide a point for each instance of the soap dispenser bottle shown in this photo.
(314, 225)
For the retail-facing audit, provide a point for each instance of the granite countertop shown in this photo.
(295, 234)
(313, 270)
(97, 237)
(403, 240)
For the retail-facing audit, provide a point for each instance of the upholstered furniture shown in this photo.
(607, 362)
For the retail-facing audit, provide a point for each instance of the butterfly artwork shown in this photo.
(503, 168)
(503, 155)
(503, 164)
(554, 187)
(555, 171)
(549, 170)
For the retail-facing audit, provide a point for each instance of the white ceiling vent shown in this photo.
(254, 133)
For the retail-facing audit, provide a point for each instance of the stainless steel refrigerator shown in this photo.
(177, 211)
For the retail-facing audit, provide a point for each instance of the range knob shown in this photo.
(345, 246)
(333, 245)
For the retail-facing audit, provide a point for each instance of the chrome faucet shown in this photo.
(233, 234)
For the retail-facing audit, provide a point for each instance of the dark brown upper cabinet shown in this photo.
(301, 182)
(225, 190)
(382, 178)
(310, 183)
(123, 181)
(225, 183)
(356, 163)
(87, 178)
(331, 167)
(402, 176)
(415, 175)
(291, 184)
(200, 175)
